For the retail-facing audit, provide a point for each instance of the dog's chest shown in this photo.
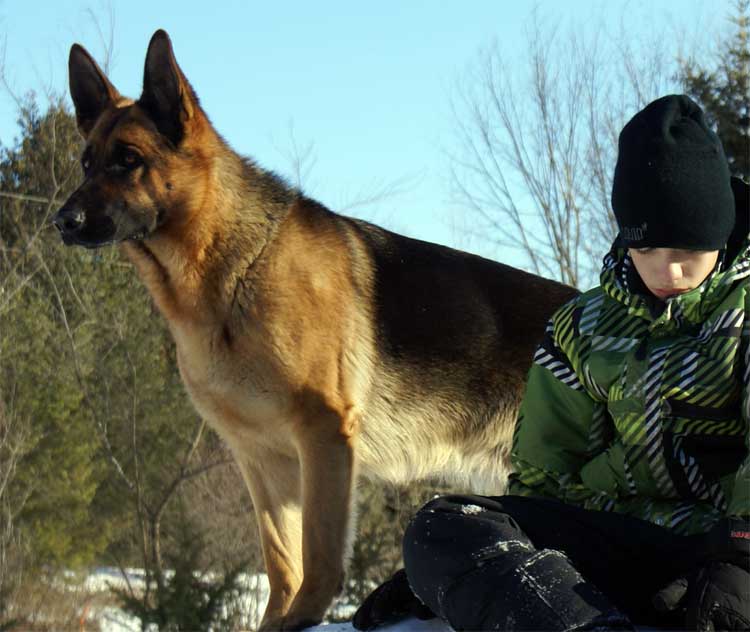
(232, 389)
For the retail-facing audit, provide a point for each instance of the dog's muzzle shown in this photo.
(70, 223)
(76, 229)
(96, 230)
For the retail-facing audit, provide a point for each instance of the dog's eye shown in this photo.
(86, 164)
(124, 160)
(130, 159)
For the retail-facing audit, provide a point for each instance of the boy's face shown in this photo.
(669, 271)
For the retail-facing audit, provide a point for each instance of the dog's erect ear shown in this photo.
(90, 89)
(167, 96)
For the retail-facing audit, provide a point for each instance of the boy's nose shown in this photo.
(674, 272)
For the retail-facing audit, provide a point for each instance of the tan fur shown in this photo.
(272, 303)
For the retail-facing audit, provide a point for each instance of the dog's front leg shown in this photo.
(328, 471)
(274, 484)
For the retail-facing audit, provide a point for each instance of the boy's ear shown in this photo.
(167, 96)
(90, 89)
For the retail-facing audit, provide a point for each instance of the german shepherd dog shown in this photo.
(317, 346)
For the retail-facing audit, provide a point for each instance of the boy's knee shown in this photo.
(435, 536)
(450, 503)
(436, 548)
(467, 505)
(500, 516)
(441, 522)
(450, 534)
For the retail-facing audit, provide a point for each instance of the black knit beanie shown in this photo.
(671, 186)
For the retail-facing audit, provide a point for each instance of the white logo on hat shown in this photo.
(635, 233)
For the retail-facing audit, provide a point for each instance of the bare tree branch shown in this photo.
(536, 141)
(28, 198)
(106, 35)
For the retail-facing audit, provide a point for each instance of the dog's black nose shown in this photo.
(69, 220)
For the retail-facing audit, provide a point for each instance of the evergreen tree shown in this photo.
(97, 435)
(187, 597)
(724, 91)
(56, 474)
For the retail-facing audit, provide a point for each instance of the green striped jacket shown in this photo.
(642, 407)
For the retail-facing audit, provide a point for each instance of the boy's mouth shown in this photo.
(666, 293)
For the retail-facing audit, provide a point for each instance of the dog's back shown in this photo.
(454, 335)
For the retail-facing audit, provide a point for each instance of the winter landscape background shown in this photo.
(487, 126)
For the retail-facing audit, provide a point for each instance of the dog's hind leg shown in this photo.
(274, 484)
(327, 457)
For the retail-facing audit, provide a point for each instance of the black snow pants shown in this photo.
(516, 563)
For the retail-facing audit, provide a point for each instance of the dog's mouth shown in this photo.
(75, 240)
(99, 233)
(94, 244)
(79, 240)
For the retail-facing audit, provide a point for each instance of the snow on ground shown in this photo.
(112, 619)
(407, 625)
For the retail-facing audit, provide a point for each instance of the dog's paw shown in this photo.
(274, 624)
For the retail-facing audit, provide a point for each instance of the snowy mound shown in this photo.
(110, 618)
(407, 625)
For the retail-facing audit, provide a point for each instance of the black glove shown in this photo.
(729, 541)
(390, 602)
(714, 597)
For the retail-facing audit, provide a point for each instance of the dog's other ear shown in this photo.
(167, 96)
(90, 89)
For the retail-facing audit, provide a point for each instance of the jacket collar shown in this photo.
(620, 281)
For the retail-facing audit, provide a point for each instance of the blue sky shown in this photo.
(369, 84)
